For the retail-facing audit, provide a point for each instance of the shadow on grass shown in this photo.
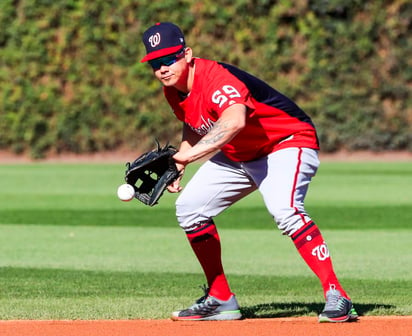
(293, 309)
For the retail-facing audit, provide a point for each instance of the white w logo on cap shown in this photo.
(154, 40)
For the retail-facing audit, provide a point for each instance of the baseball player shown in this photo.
(263, 141)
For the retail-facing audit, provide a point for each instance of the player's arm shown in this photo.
(189, 139)
(230, 123)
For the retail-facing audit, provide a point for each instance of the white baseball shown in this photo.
(125, 192)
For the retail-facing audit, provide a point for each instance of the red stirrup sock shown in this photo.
(313, 249)
(205, 243)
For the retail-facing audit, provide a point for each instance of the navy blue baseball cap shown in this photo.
(162, 39)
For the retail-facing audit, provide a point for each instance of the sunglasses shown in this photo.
(157, 63)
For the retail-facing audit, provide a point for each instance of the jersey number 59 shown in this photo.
(221, 98)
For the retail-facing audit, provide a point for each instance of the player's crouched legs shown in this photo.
(218, 302)
(314, 251)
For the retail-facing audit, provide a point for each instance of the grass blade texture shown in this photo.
(69, 249)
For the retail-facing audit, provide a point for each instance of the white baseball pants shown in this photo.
(282, 178)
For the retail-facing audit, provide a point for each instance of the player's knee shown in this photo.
(187, 212)
(183, 211)
(288, 220)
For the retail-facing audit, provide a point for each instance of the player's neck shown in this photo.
(191, 75)
(186, 86)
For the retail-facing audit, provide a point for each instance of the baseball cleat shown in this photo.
(208, 308)
(337, 308)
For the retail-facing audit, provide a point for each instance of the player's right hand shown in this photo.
(175, 187)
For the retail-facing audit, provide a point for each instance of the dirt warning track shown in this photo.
(302, 326)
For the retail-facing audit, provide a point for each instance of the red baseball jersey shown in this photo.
(273, 121)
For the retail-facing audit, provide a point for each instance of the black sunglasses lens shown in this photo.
(167, 60)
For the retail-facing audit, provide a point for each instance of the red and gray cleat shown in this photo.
(208, 308)
(337, 308)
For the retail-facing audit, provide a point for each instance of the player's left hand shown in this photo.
(151, 173)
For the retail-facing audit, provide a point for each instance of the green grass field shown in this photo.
(69, 249)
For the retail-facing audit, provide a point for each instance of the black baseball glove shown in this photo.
(151, 173)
